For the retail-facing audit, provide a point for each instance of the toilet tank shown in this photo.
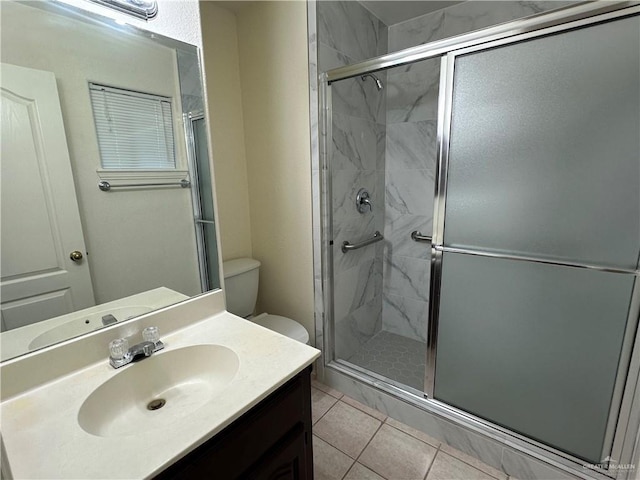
(241, 285)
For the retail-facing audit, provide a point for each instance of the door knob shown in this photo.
(76, 256)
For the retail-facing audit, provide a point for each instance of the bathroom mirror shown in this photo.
(76, 257)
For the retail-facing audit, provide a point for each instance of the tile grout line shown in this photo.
(365, 447)
(438, 450)
(343, 452)
(471, 465)
(366, 413)
(322, 416)
(432, 462)
(385, 422)
(327, 393)
(368, 442)
(437, 447)
(349, 470)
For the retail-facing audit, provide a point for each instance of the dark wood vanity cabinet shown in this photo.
(272, 441)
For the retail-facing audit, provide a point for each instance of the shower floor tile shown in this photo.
(393, 356)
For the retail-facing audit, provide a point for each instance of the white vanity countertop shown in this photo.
(43, 438)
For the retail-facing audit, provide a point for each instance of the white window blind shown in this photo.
(135, 130)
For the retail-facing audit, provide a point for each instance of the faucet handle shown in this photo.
(118, 348)
(151, 334)
(363, 201)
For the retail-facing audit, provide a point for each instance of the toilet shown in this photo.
(241, 291)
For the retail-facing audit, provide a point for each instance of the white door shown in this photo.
(40, 218)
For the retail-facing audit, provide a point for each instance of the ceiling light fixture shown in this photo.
(144, 9)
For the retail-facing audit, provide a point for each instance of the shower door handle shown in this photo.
(416, 236)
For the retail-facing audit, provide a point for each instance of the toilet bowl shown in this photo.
(241, 292)
(282, 325)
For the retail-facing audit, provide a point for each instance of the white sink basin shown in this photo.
(185, 379)
(85, 324)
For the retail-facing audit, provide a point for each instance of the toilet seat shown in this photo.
(283, 325)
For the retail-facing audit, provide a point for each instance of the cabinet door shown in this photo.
(286, 461)
(271, 441)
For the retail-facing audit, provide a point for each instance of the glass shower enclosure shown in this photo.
(494, 268)
(202, 199)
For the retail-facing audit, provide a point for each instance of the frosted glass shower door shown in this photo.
(544, 145)
(532, 347)
(541, 236)
(207, 228)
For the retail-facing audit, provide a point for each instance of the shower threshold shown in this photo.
(395, 357)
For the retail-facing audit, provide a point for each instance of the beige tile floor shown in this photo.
(354, 442)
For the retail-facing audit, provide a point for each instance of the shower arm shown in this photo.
(379, 84)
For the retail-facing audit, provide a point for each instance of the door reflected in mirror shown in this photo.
(76, 257)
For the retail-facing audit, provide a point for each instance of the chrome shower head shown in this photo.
(379, 84)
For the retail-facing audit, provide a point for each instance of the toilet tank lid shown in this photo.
(234, 267)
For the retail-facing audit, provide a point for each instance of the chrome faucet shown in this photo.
(120, 354)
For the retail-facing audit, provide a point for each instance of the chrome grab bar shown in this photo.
(106, 186)
(416, 236)
(346, 246)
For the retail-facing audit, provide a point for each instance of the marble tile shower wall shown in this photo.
(348, 33)
(190, 82)
(412, 112)
(462, 18)
(411, 123)
(386, 141)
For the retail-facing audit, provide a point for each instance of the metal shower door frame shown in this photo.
(627, 373)
(188, 120)
(566, 18)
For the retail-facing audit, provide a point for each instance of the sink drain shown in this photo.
(156, 404)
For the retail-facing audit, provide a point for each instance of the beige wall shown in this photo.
(275, 99)
(273, 70)
(137, 240)
(222, 78)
